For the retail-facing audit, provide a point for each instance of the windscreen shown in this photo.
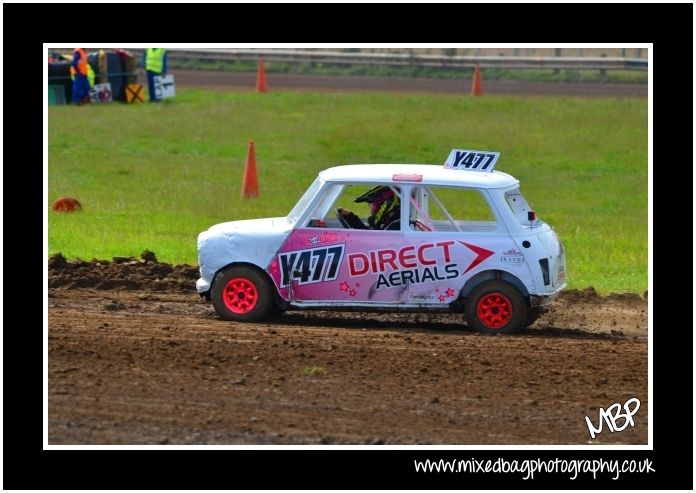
(304, 201)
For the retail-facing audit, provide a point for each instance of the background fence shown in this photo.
(513, 58)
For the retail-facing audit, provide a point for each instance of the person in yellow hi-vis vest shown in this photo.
(155, 63)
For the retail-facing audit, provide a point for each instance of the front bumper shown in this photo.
(202, 286)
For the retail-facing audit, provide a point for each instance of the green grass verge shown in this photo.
(493, 73)
(154, 176)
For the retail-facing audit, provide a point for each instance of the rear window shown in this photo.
(518, 204)
(439, 208)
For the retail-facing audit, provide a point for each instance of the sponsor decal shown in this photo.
(512, 256)
(408, 265)
(442, 297)
(481, 255)
(329, 237)
(419, 298)
(417, 276)
(413, 264)
(312, 265)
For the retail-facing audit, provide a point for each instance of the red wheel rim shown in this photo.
(240, 295)
(494, 310)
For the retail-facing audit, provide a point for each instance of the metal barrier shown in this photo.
(401, 59)
(108, 74)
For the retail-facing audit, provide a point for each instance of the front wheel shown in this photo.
(242, 294)
(496, 307)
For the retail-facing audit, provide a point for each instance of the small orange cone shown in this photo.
(476, 87)
(250, 185)
(261, 78)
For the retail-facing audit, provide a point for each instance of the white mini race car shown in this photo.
(384, 237)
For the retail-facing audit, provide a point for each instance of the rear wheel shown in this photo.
(532, 315)
(243, 294)
(496, 307)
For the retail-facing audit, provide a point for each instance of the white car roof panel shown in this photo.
(432, 175)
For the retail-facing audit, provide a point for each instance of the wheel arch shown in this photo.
(494, 275)
(243, 264)
(278, 300)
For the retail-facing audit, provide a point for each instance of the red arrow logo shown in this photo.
(481, 255)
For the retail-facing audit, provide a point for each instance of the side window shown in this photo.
(346, 202)
(366, 207)
(450, 209)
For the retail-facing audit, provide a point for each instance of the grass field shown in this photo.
(154, 176)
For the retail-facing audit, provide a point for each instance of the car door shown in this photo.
(324, 261)
(453, 234)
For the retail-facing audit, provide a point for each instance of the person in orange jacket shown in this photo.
(78, 69)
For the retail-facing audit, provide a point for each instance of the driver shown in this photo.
(385, 209)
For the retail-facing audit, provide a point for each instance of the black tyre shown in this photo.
(496, 307)
(532, 315)
(243, 294)
(278, 308)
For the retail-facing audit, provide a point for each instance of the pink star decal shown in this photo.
(441, 297)
(449, 292)
(344, 286)
(437, 290)
(353, 292)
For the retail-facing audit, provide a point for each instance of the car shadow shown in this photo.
(421, 323)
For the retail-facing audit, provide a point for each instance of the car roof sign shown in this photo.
(472, 160)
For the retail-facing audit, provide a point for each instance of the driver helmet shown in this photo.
(384, 206)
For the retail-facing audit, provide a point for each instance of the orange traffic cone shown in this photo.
(261, 78)
(250, 185)
(476, 87)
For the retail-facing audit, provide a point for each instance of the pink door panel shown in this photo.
(341, 265)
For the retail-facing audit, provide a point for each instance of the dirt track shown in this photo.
(130, 365)
(247, 81)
